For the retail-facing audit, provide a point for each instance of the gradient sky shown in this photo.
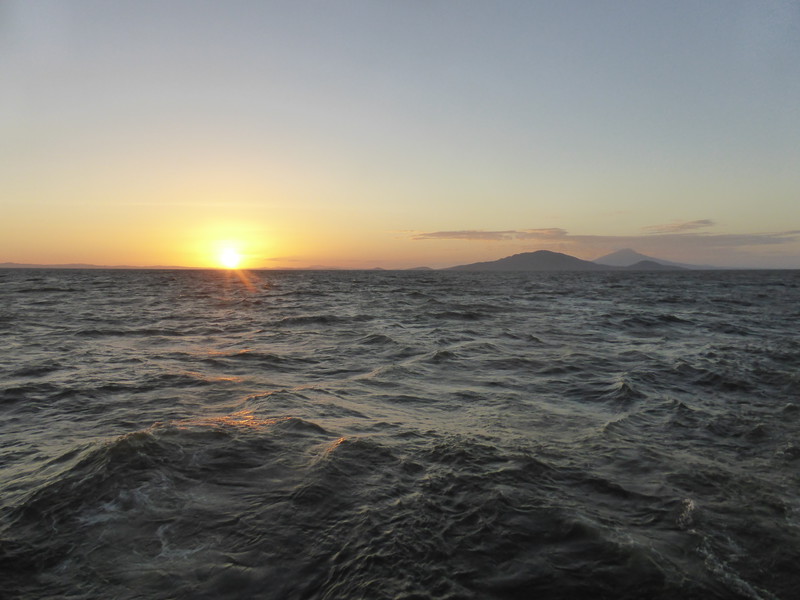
(398, 134)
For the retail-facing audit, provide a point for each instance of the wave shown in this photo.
(400, 435)
(323, 319)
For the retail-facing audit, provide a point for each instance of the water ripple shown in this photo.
(179, 434)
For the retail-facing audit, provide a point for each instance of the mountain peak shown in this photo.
(623, 258)
(540, 260)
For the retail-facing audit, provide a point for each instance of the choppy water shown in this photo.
(188, 434)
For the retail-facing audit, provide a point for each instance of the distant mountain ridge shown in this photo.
(545, 260)
(541, 260)
(627, 257)
(651, 265)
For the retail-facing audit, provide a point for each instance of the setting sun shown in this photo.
(229, 258)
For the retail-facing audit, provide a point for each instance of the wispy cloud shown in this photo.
(493, 236)
(283, 259)
(472, 235)
(551, 233)
(678, 226)
(561, 235)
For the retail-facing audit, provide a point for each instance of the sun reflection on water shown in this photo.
(247, 279)
(239, 419)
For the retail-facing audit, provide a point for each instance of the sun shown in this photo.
(229, 258)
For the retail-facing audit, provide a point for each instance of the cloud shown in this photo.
(472, 235)
(729, 240)
(678, 226)
(537, 234)
(493, 236)
(284, 259)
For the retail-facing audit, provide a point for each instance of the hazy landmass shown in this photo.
(317, 268)
(541, 260)
(627, 257)
(651, 265)
(545, 260)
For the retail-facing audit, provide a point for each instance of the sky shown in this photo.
(365, 134)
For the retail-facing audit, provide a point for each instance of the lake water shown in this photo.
(337, 435)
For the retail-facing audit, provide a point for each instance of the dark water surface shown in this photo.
(191, 434)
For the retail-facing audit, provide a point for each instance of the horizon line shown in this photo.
(10, 266)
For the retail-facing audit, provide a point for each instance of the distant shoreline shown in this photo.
(33, 267)
(525, 262)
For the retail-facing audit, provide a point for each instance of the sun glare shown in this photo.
(229, 258)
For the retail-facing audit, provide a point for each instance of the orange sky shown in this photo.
(157, 135)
